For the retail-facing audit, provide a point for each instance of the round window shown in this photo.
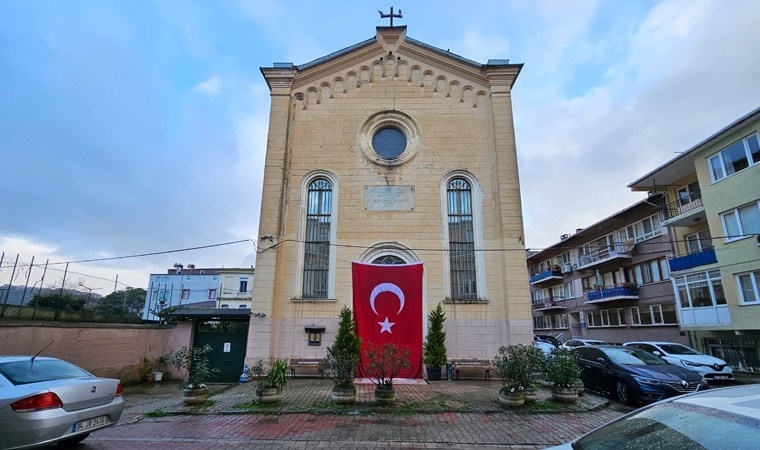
(389, 143)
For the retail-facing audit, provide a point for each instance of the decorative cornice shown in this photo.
(278, 77)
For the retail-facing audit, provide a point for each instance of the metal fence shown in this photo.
(45, 290)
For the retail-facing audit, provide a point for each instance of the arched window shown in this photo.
(461, 240)
(316, 268)
(388, 260)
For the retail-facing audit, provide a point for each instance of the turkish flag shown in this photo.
(388, 309)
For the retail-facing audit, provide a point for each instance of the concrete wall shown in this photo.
(103, 349)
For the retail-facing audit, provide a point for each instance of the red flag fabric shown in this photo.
(388, 309)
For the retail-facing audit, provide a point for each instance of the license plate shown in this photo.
(89, 423)
(720, 377)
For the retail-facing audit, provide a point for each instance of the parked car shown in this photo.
(634, 375)
(715, 419)
(48, 400)
(575, 343)
(710, 367)
(545, 346)
(548, 338)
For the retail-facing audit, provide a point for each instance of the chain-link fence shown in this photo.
(44, 290)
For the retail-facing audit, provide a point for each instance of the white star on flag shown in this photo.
(386, 326)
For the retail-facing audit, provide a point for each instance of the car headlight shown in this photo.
(644, 380)
(690, 364)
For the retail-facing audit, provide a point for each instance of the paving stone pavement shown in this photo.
(462, 414)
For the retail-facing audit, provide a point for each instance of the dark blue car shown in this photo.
(634, 375)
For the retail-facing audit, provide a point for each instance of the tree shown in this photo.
(56, 300)
(343, 356)
(125, 303)
(434, 348)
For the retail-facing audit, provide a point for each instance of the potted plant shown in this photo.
(434, 348)
(272, 376)
(516, 365)
(342, 359)
(384, 364)
(146, 374)
(563, 371)
(159, 365)
(199, 370)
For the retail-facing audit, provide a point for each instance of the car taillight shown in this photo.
(48, 400)
(118, 390)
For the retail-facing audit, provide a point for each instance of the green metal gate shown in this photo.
(227, 339)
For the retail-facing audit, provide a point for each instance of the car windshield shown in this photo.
(677, 349)
(25, 372)
(674, 426)
(633, 357)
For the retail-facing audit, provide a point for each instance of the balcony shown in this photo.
(547, 305)
(608, 294)
(692, 260)
(602, 255)
(547, 276)
(683, 212)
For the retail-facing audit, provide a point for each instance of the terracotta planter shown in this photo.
(149, 377)
(531, 395)
(512, 399)
(433, 373)
(343, 395)
(384, 395)
(194, 396)
(565, 394)
(271, 395)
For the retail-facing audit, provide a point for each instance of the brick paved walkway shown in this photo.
(463, 414)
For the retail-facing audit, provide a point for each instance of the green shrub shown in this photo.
(434, 348)
(562, 367)
(343, 356)
(516, 364)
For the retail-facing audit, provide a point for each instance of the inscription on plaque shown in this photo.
(389, 198)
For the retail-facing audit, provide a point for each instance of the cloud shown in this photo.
(672, 88)
(210, 86)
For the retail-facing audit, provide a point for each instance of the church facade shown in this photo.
(390, 151)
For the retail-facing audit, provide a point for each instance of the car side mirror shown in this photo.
(602, 361)
(657, 352)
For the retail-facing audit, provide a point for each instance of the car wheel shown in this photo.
(73, 441)
(624, 393)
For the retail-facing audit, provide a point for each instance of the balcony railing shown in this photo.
(553, 273)
(696, 259)
(544, 305)
(605, 294)
(602, 254)
(682, 206)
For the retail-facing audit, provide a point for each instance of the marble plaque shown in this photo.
(389, 198)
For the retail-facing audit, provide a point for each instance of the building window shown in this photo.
(563, 291)
(742, 221)
(653, 315)
(734, 158)
(540, 296)
(749, 287)
(606, 318)
(647, 272)
(644, 229)
(316, 269)
(700, 290)
(242, 306)
(689, 193)
(461, 240)
(185, 293)
(542, 323)
(212, 294)
(560, 321)
(243, 286)
(697, 242)
(225, 306)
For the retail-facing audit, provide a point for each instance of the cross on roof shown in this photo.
(391, 15)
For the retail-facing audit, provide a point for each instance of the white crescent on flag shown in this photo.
(386, 287)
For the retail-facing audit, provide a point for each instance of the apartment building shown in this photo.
(609, 281)
(711, 204)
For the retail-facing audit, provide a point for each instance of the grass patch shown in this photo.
(252, 406)
(156, 413)
(551, 406)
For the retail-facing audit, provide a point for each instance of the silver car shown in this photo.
(726, 418)
(46, 400)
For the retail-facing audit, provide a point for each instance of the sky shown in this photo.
(137, 127)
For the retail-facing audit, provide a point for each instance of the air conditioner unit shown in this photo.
(567, 268)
